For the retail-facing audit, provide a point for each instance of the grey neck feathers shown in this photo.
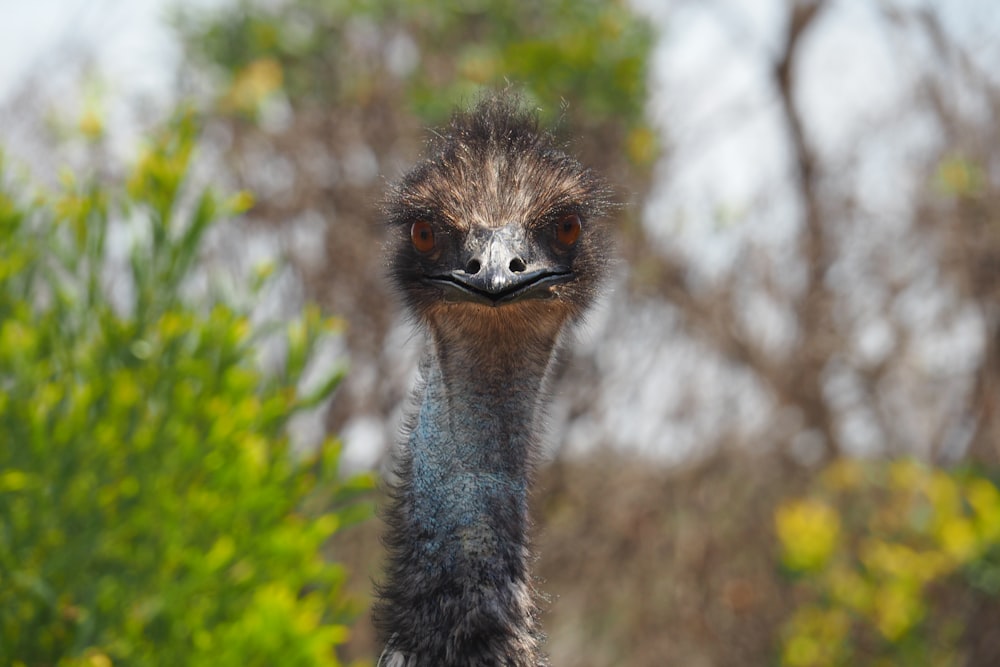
(459, 589)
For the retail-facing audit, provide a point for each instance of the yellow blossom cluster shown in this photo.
(867, 545)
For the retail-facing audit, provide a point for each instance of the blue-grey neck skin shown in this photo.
(468, 464)
(459, 589)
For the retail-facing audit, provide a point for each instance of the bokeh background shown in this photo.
(775, 442)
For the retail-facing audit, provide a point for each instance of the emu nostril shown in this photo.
(472, 267)
(517, 265)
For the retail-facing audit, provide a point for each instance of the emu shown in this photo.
(497, 247)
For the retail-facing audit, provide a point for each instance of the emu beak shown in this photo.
(496, 272)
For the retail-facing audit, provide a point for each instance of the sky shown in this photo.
(130, 41)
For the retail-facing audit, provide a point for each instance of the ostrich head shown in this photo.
(498, 229)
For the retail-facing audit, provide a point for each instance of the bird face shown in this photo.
(495, 266)
(497, 221)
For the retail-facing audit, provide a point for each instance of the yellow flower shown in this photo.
(253, 84)
(897, 609)
(888, 559)
(641, 145)
(816, 638)
(808, 531)
(241, 202)
(985, 500)
(15, 480)
(90, 124)
(958, 538)
(960, 177)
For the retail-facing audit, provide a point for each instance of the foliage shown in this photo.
(591, 52)
(871, 544)
(150, 510)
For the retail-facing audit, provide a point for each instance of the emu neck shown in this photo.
(458, 590)
(471, 448)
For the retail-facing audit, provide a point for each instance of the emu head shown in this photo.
(498, 228)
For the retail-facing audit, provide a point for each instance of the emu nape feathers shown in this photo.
(497, 246)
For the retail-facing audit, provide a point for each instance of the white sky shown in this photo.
(129, 39)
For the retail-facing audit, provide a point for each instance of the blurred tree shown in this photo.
(960, 211)
(150, 510)
(834, 324)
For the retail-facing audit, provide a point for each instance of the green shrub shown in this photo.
(150, 510)
(869, 546)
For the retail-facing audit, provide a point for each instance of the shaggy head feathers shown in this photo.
(491, 167)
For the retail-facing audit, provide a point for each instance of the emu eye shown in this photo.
(422, 236)
(568, 230)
